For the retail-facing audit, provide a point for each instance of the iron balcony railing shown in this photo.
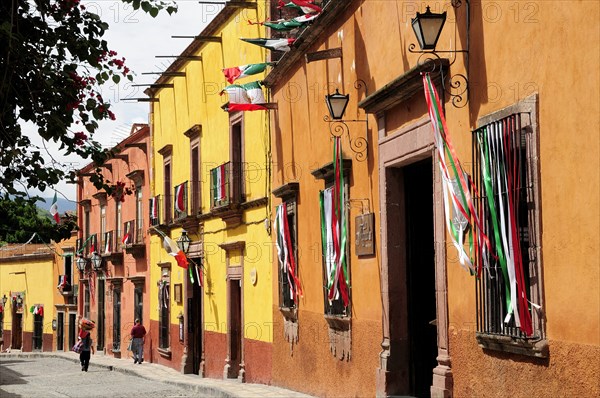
(180, 205)
(226, 184)
(154, 210)
(133, 233)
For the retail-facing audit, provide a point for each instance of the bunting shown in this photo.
(239, 72)
(283, 25)
(306, 6)
(285, 252)
(284, 44)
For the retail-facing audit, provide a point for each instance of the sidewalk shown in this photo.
(204, 386)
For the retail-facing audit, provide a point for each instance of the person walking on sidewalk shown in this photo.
(138, 331)
(87, 348)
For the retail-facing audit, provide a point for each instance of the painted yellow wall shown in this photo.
(194, 100)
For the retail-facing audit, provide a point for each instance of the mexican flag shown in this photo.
(307, 6)
(127, 234)
(173, 250)
(219, 180)
(54, 209)
(283, 25)
(107, 243)
(245, 97)
(239, 72)
(154, 208)
(179, 198)
(273, 44)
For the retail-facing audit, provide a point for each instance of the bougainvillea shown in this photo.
(53, 63)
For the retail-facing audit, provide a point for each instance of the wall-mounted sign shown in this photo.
(365, 238)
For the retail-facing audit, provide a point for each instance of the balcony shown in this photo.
(133, 238)
(110, 248)
(226, 192)
(90, 245)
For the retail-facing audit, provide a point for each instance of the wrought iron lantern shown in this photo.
(81, 262)
(337, 103)
(428, 27)
(184, 242)
(96, 261)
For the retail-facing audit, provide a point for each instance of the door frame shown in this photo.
(235, 272)
(407, 145)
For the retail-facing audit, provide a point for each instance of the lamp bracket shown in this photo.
(429, 61)
(337, 128)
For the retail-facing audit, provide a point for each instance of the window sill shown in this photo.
(164, 352)
(338, 322)
(289, 313)
(513, 345)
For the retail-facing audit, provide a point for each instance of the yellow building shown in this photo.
(38, 309)
(210, 183)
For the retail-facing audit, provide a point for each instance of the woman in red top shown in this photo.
(138, 331)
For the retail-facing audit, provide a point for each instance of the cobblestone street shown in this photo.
(56, 377)
(43, 375)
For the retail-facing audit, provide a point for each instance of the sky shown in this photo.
(138, 37)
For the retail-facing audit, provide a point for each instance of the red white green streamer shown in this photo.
(501, 181)
(334, 231)
(285, 251)
(456, 192)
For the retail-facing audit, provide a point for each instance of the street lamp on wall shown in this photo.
(428, 27)
(336, 105)
(96, 261)
(184, 242)
(81, 262)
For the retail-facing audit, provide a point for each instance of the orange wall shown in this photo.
(517, 48)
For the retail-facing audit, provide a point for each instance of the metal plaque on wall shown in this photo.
(365, 238)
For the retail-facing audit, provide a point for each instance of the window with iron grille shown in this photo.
(505, 177)
(38, 331)
(116, 319)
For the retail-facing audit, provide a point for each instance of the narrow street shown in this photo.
(55, 377)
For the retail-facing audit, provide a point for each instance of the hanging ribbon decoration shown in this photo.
(285, 251)
(334, 231)
(460, 200)
(502, 184)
